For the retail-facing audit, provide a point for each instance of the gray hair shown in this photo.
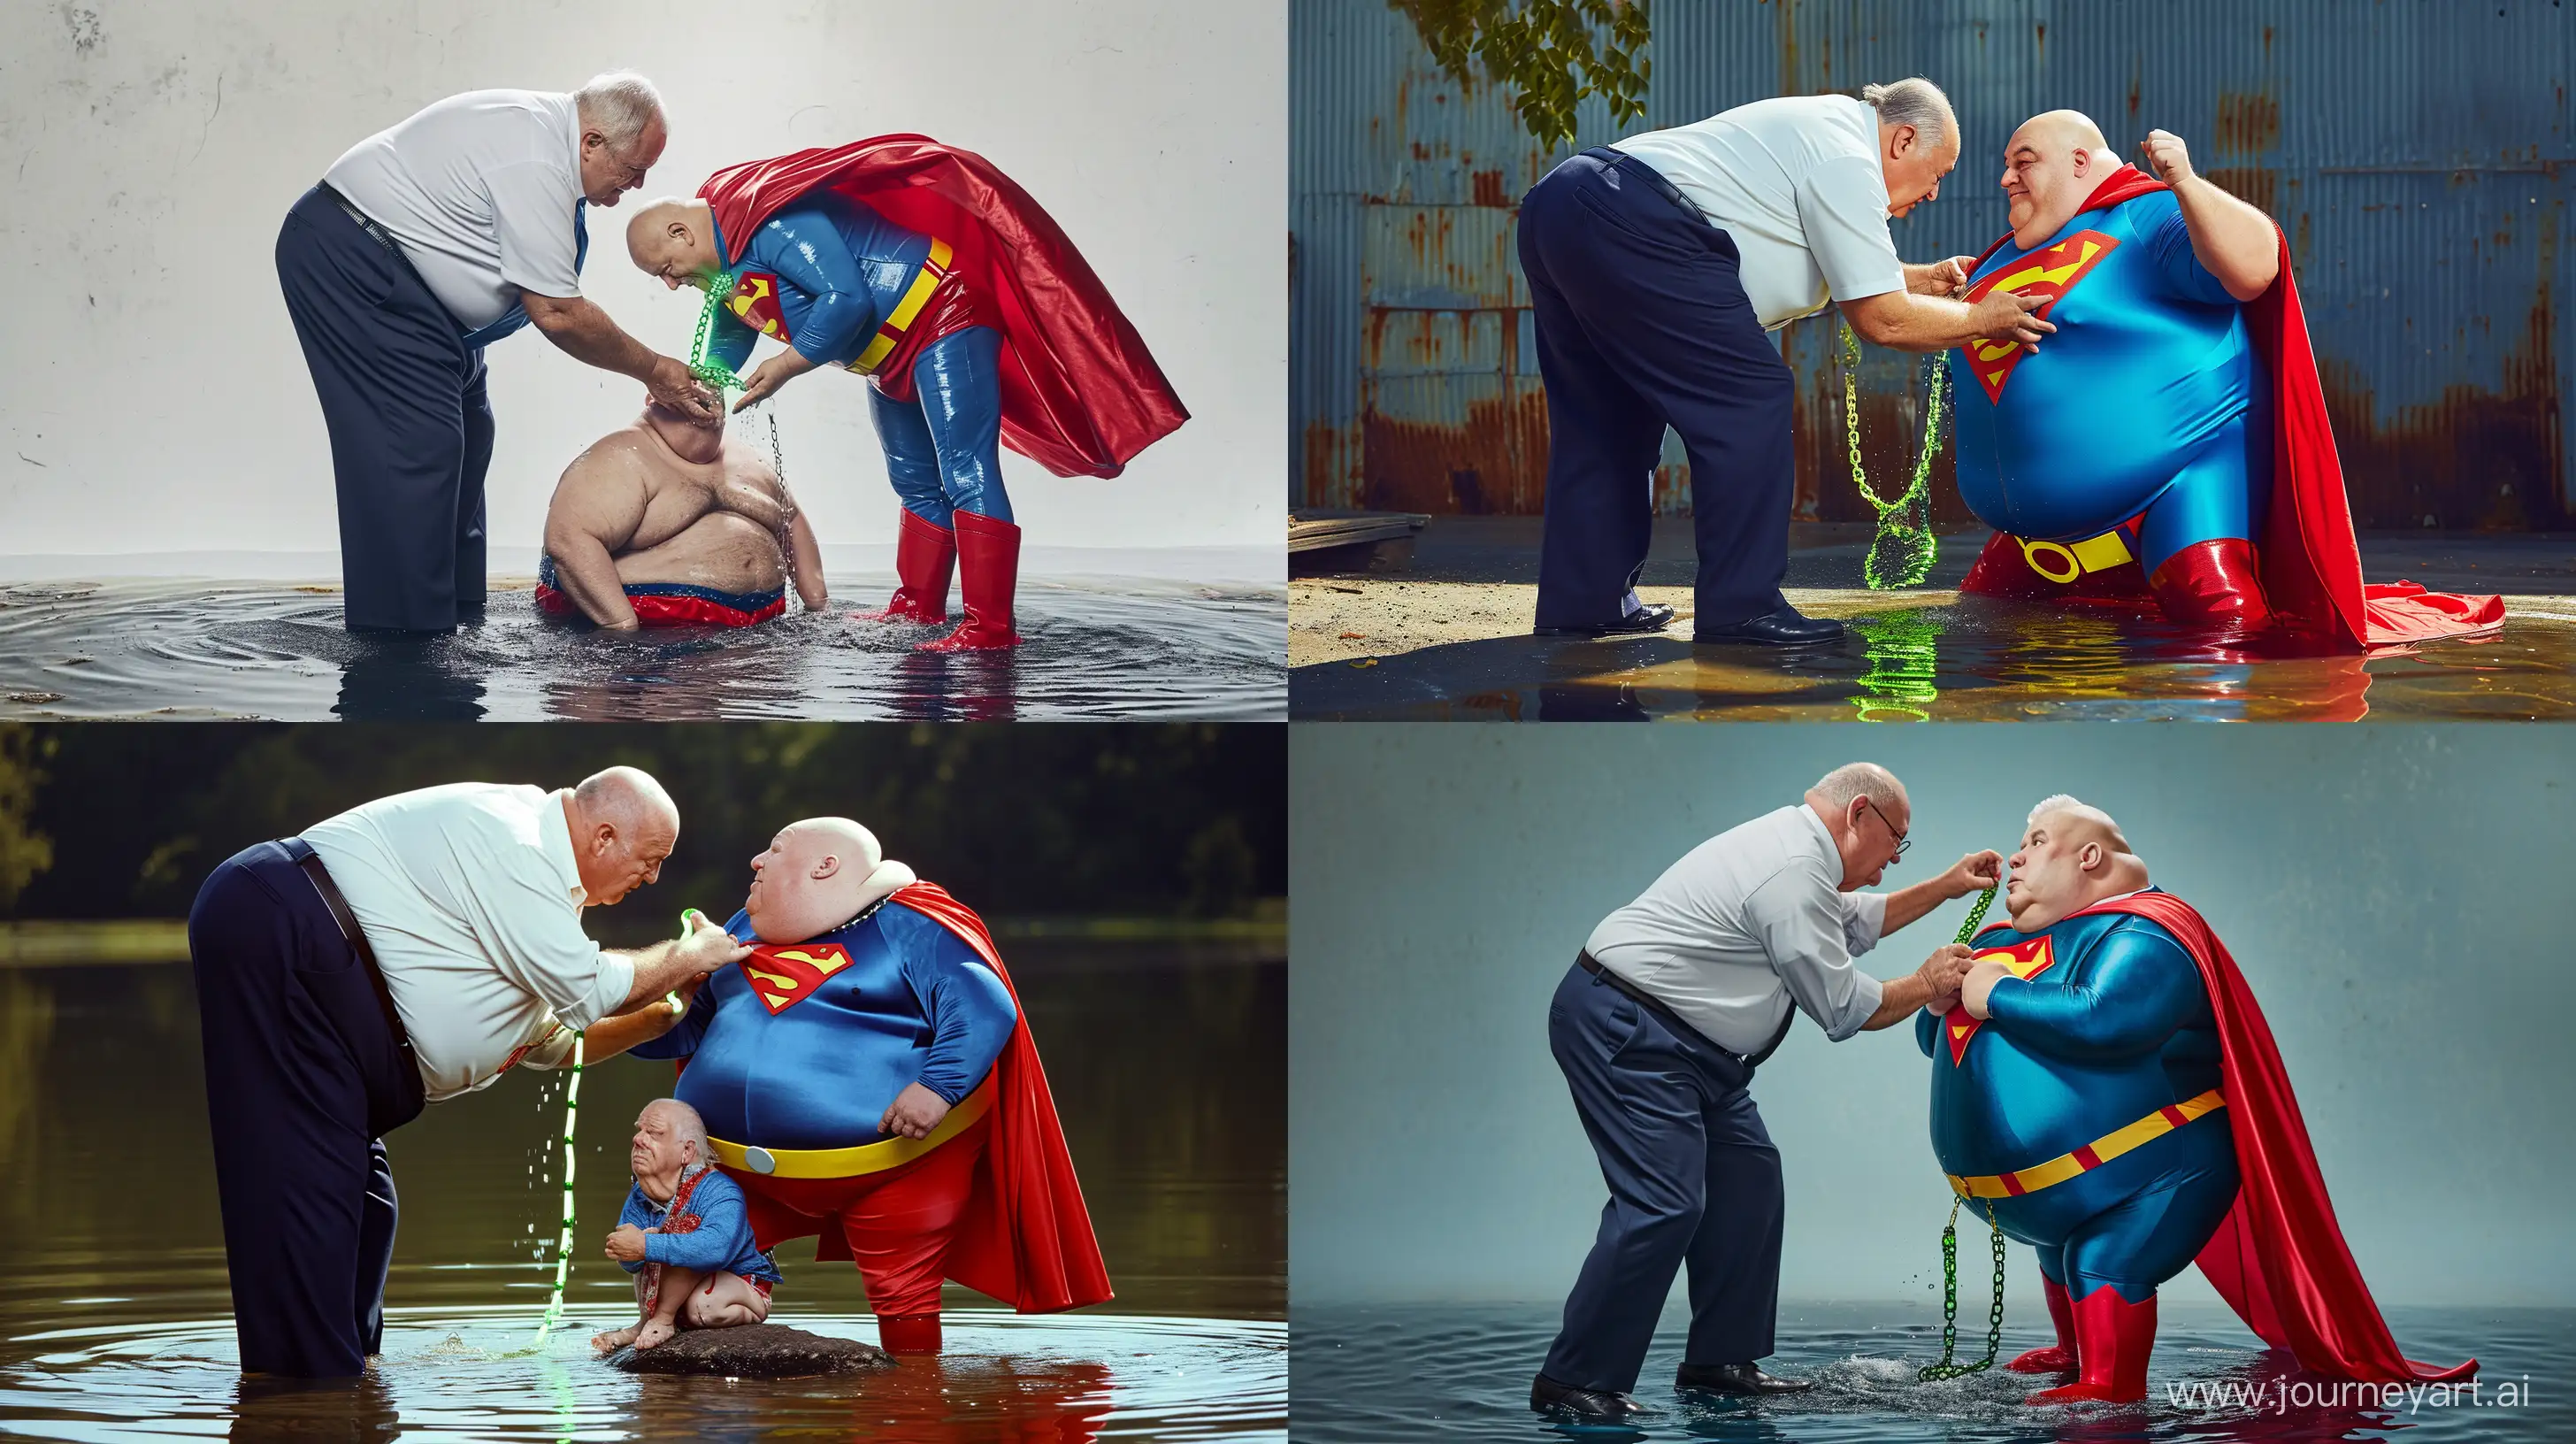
(1912, 101)
(620, 104)
(687, 1127)
(1837, 789)
(2060, 802)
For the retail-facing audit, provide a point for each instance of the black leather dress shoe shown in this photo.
(1782, 628)
(1547, 1396)
(1644, 620)
(1740, 1379)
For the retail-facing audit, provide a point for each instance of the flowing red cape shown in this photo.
(2279, 1258)
(1025, 1236)
(2310, 563)
(1080, 393)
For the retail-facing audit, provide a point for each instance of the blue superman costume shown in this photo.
(930, 272)
(793, 1055)
(2124, 1111)
(2167, 441)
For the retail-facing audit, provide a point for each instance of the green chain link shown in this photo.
(703, 365)
(1947, 1368)
(1903, 551)
(1904, 672)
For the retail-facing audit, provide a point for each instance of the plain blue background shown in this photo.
(2398, 898)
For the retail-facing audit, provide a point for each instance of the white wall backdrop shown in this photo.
(152, 396)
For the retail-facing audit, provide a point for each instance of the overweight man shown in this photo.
(407, 951)
(1658, 267)
(1673, 1003)
(422, 245)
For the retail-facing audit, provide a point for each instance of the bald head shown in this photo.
(675, 240)
(816, 875)
(623, 825)
(2072, 856)
(2052, 165)
(669, 1140)
(1866, 809)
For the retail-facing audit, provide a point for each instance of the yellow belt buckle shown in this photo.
(925, 283)
(2093, 554)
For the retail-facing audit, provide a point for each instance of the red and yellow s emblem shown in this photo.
(755, 302)
(782, 977)
(2026, 959)
(2050, 272)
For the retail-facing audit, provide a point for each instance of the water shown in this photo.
(1140, 650)
(1168, 1062)
(1937, 656)
(1368, 1375)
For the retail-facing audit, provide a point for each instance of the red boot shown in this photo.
(2113, 1339)
(2058, 1358)
(988, 572)
(923, 554)
(2212, 584)
(908, 1333)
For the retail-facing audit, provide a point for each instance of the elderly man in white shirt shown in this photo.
(1657, 267)
(1675, 1000)
(408, 950)
(423, 244)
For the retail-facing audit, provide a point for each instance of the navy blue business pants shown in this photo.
(1693, 1180)
(302, 1080)
(410, 421)
(1642, 324)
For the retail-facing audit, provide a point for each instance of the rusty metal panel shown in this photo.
(2412, 150)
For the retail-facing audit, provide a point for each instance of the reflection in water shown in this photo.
(1939, 656)
(1168, 1062)
(1130, 650)
(1364, 1375)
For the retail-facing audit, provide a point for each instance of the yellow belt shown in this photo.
(2092, 1155)
(863, 1159)
(2093, 554)
(925, 283)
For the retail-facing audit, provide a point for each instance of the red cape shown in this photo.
(2310, 563)
(1080, 393)
(2279, 1258)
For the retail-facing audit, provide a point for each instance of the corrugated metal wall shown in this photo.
(2411, 148)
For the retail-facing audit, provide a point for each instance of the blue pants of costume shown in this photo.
(2132, 1226)
(943, 449)
(1642, 324)
(1693, 1179)
(301, 1076)
(410, 421)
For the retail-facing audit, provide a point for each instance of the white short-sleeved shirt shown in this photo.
(471, 900)
(1747, 925)
(479, 189)
(1797, 182)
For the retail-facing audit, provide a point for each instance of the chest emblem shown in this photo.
(782, 977)
(2027, 959)
(755, 303)
(2050, 272)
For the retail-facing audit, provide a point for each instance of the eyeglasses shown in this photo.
(1901, 841)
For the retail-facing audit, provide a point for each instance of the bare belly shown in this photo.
(721, 550)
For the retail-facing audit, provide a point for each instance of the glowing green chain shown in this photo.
(703, 364)
(1904, 665)
(563, 1241)
(1903, 551)
(1947, 1369)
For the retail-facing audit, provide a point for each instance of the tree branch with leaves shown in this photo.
(1549, 54)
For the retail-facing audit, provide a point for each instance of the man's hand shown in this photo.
(1941, 971)
(914, 1112)
(672, 384)
(709, 947)
(626, 1245)
(1975, 872)
(2163, 155)
(2010, 316)
(1979, 985)
(1940, 278)
(771, 374)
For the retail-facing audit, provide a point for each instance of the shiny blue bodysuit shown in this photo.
(915, 1004)
(2147, 399)
(2117, 1028)
(838, 269)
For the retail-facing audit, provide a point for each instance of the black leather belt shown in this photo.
(383, 237)
(1630, 165)
(311, 862)
(1674, 1021)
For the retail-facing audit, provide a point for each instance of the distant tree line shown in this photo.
(105, 820)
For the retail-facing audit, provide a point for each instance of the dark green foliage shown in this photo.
(1549, 53)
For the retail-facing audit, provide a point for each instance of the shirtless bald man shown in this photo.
(665, 522)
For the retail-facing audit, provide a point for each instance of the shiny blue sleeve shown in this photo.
(1927, 1030)
(635, 1214)
(722, 1227)
(731, 341)
(804, 247)
(2169, 241)
(2139, 988)
(970, 1011)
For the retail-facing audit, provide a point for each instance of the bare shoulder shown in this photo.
(604, 490)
